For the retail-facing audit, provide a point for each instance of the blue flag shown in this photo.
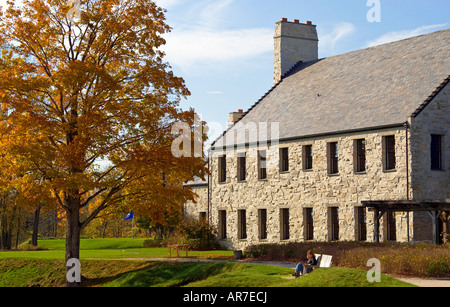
(129, 216)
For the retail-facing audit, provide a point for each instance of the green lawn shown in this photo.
(249, 275)
(46, 268)
(105, 249)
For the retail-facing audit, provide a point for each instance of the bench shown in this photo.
(178, 248)
(323, 261)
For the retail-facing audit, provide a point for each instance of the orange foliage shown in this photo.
(75, 93)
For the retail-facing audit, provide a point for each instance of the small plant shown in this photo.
(153, 243)
(439, 268)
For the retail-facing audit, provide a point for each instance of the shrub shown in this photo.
(29, 247)
(174, 238)
(153, 243)
(199, 235)
(297, 251)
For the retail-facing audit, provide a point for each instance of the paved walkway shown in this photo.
(427, 283)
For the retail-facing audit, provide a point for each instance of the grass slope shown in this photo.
(270, 276)
(51, 273)
(46, 268)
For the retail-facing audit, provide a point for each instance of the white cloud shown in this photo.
(200, 46)
(399, 35)
(328, 39)
(211, 13)
(203, 39)
(167, 3)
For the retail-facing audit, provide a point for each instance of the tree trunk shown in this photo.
(34, 236)
(18, 232)
(105, 224)
(73, 231)
(7, 237)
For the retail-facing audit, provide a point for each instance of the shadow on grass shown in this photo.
(100, 281)
(158, 274)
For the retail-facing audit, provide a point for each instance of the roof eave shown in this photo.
(431, 97)
(310, 136)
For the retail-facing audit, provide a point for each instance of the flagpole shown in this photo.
(132, 220)
(130, 216)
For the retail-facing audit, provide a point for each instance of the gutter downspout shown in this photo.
(406, 125)
(209, 189)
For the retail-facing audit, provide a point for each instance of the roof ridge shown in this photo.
(383, 45)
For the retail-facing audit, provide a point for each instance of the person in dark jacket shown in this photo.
(311, 261)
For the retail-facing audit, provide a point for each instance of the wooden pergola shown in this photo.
(436, 210)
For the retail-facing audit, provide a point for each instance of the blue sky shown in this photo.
(224, 48)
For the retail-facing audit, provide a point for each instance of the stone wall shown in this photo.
(192, 209)
(293, 42)
(298, 189)
(428, 184)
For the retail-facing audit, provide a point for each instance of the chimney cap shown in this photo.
(240, 111)
(296, 21)
(308, 22)
(284, 19)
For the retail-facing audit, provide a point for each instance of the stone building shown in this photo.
(199, 209)
(353, 147)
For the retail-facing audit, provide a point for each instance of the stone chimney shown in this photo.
(235, 117)
(293, 42)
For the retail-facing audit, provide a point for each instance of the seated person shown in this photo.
(311, 261)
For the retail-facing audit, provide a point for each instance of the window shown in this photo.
(222, 224)
(308, 222)
(389, 152)
(222, 169)
(361, 228)
(284, 160)
(390, 227)
(284, 219)
(307, 157)
(202, 216)
(242, 167)
(360, 155)
(333, 156)
(262, 223)
(262, 165)
(436, 152)
(242, 224)
(333, 223)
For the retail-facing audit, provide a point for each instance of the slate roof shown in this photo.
(374, 87)
(197, 182)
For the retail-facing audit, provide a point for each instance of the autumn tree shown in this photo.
(88, 103)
